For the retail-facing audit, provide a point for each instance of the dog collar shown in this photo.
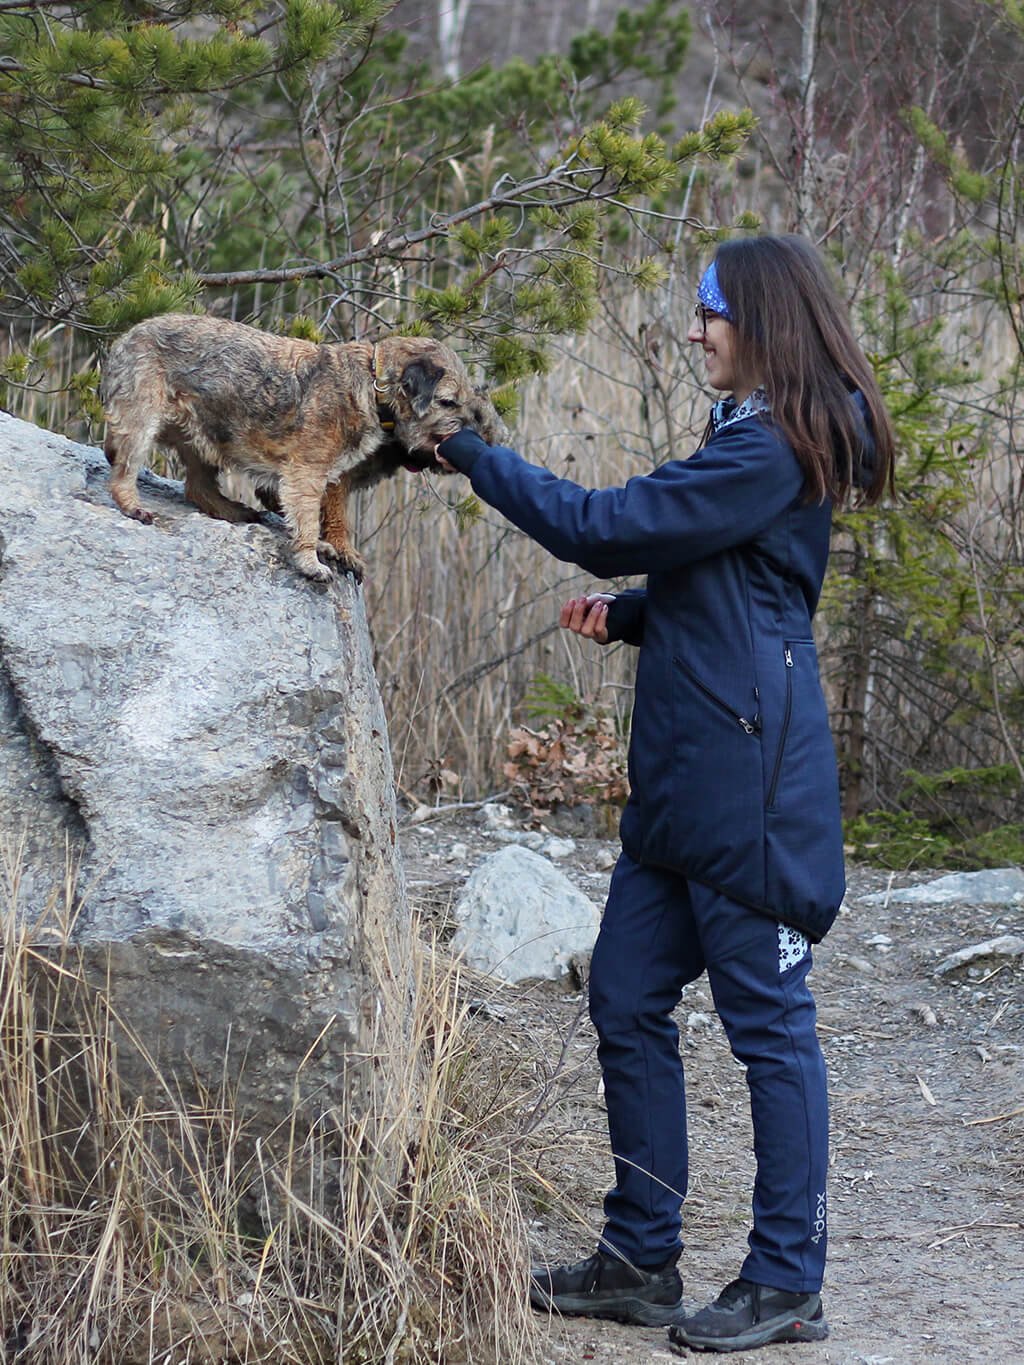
(385, 413)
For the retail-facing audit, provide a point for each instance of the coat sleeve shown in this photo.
(626, 617)
(724, 495)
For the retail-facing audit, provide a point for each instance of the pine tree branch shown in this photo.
(560, 179)
(12, 66)
(29, 5)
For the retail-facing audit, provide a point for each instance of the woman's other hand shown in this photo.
(587, 616)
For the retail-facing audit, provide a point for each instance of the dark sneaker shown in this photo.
(605, 1286)
(746, 1315)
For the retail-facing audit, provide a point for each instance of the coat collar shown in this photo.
(727, 410)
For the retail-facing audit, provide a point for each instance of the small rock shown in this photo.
(925, 1013)
(493, 815)
(861, 964)
(522, 919)
(527, 838)
(698, 1020)
(484, 1009)
(1006, 946)
(605, 860)
(992, 886)
(458, 853)
(579, 970)
(556, 848)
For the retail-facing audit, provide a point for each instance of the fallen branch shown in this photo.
(423, 813)
(995, 1118)
(948, 1234)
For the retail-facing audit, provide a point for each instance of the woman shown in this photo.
(732, 858)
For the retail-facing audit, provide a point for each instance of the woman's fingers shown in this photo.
(595, 627)
(587, 616)
(574, 614)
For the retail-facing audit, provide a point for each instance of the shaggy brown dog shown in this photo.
(303, 421)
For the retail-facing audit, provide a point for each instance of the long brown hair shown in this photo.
(793, 329)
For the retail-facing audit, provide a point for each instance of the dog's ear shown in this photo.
(420, 379)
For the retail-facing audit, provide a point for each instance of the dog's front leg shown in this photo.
(336, 531)
(300, 495)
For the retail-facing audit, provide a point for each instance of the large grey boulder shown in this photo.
(195, 730)
(520, 918)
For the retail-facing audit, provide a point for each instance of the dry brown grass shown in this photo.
(139, 1233)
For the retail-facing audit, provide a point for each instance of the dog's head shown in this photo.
(426, 386)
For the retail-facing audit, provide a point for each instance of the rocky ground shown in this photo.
(927, 1100)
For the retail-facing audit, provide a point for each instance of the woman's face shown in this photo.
(717, 337)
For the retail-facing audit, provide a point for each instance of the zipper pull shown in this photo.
(789, 658)
(750, 729)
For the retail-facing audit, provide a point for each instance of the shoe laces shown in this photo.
(733, 1293)
(591, 1267)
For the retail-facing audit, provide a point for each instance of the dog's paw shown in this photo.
(346, 561)
(140, 515)
(307, 563)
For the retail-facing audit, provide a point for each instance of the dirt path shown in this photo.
(926, 1078)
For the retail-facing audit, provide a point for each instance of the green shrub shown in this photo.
(900, 840)
(896, 840)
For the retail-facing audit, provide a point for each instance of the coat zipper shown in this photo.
(751, 727)
(777, 770)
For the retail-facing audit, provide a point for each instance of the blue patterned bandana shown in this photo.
(709, 292)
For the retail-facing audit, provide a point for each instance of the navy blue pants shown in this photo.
(660, 932)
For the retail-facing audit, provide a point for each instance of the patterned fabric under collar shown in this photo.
(727, 410)
(709, 292)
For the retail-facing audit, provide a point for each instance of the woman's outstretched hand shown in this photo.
(448, 468)
(587, 616)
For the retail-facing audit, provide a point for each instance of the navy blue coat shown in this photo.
(732, 768)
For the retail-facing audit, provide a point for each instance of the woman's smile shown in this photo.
(716, 337)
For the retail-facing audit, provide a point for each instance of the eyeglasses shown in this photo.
(705, 315)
